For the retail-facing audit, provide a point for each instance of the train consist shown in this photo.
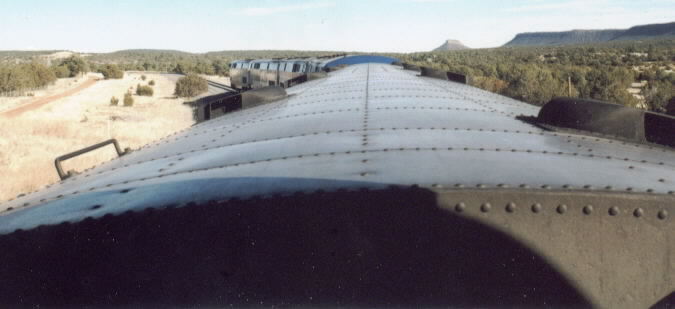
(250, 74)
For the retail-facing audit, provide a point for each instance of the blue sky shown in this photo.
(361, 25)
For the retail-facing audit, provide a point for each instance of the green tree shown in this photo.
(114, 101)
(658, 94)
(75, 65)
(61, 71)
(144, 90)
(190, 86)
(111, 71)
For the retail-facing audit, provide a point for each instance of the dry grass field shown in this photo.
(29, 142)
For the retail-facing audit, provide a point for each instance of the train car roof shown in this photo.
(359, 59)
(598, 209)
(422, 131)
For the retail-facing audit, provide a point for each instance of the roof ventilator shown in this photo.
(608, 119)
(217, 105)
(453, 77)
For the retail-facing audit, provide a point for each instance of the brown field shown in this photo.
(29, 141)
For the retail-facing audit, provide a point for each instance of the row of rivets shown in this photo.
(561, 209)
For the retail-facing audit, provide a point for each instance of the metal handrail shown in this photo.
(73, 154)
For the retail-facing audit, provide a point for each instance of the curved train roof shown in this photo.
(599, 210)
(367, 125)
(359, 59)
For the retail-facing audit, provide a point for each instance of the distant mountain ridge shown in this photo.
(640, 32)
(451, 45)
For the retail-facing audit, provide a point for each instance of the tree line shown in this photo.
(19, 78)
(537, 74)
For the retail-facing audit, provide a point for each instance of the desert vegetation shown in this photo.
(536, 74)
(144, 90)
(17, 79)
(128, 99)
(71, 67)
(114, 101)
(111, 71)
(32, 140)
(190, 86)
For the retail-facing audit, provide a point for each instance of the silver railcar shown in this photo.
(239, 74)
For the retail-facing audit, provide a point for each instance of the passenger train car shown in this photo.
(270, 72)
(250, 74)
(375, 186)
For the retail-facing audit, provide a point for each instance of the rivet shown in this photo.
(546, 187)
(613, 211)
(485, 207)
(561, 209)
(662, 214)
(638, 212)
(608, 188)
(460, 207)
(480, 185)
(662, 180)
(536, 208)
(511, 207)
(588, 209)
(588, 187)
(524, 186)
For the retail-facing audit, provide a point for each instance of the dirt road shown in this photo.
(46, 100)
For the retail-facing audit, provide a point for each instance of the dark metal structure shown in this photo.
(371, 187)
